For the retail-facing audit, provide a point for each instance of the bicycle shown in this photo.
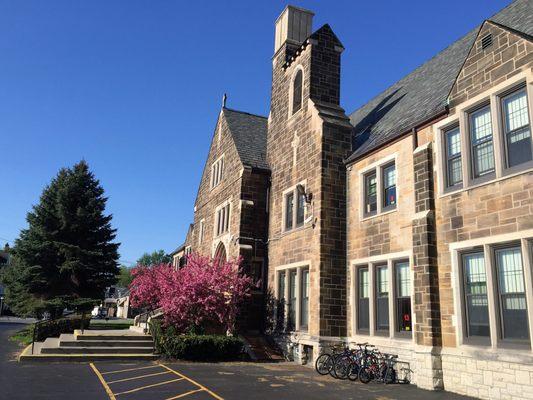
(325, 362)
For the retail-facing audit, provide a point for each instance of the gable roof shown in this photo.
(249, 134)
(423, 93)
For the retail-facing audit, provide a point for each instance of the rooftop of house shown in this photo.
(249, 133)
(423, 93)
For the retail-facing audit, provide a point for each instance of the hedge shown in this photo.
(57, 327)
(196, 347)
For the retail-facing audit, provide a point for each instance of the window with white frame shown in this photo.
(402, 276)
(382, 298)
(516, 128)
(379, 189)
(217, 172)
(222, 219)
(201, 232)
(481, 141)
(454, 168)
(496, 133)
(493, 294)
(293, 298)
(294, 209)
(382, 294)
(188, 250)
(363, 295)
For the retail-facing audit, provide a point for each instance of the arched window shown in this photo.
(297, 91)
(220, 253)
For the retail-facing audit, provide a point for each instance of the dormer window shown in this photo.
(217, 172)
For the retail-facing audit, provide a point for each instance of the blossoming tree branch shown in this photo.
(204, 292)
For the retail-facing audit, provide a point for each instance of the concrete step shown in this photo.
(86, 357)
(124, 334)
(105, 343)
(96, 350)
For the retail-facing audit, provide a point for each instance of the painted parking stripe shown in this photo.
(130, 369)
(193, 382)
(148, 386)
(179, 396)
(138, 377)
(103, 382)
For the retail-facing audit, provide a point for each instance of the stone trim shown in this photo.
(487, 245)
(378, 168)
(371, 263)
(460, 117)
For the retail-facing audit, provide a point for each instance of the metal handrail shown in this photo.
(147, 329)
(37, 324)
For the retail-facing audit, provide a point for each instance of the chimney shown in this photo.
(293, 25)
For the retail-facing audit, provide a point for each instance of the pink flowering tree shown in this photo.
(204, 292)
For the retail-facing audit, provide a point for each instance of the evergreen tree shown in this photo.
(154, 258)
(67, 251)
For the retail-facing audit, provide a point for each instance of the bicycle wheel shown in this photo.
(334, 359)
(341, 367)
(365, 375)
(323, 364)
(353, 371)
(390, 376)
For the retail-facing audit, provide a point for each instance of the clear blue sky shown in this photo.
(134, 87)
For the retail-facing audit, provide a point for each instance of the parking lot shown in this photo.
(183, 380)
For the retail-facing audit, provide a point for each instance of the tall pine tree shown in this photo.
(67, 251)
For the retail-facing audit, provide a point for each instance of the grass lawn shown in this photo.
(23, 336)
(111, 324)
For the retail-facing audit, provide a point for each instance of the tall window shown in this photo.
(454, 169)
(217, 172)
(511, 312)
(294, 216)
(297, 91)
(516, 128)
(304, 309)
(475, 289)
(362, 304)
(482, 143)
(281, 297)
(389, 187)
(222, 220)
(403, 296)
(371, 191)
(511, 292)
(289, 211)
(292, 299)
(382, 298)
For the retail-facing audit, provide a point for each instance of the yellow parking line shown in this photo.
(193, 382)
(148, 386)
(130, 369)
(138, 377)
(104, 384)
(179, 396)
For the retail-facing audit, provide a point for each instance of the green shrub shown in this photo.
(196, 347)
(57, 327)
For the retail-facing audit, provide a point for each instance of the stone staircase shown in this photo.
(93, 345)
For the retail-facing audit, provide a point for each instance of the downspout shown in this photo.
(415, 138)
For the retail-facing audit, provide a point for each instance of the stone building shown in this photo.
(407, 224)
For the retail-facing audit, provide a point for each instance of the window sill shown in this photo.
(369, 217)
(501, 354)
(484, 183)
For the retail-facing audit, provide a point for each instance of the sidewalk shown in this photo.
(17, 320)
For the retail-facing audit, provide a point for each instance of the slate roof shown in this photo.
(249, 133)
(422, 94)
